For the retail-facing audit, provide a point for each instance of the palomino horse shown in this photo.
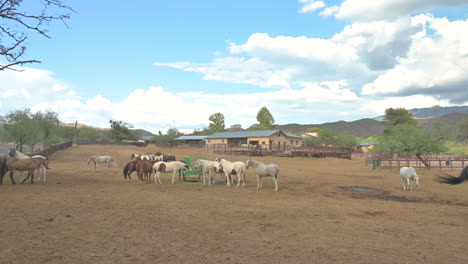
(262, 170)
(29, 165)
(173, 166)
(100, 159)
(41, 171)
(233, 168)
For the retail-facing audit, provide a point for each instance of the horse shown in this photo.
(144, 169)
(233, 168)
(262, 170)
(100, 159)
(42, 170)
(142, 157)
(218, 168)
(454, 180)
(12, 164)
(129, 168)
(409, 178)
(173, 166)
(168, 158)
(208, 170)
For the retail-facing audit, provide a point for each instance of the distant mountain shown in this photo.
(142, 134)
(370, 127)
(452, 120)
(360, 128)
(433, 111)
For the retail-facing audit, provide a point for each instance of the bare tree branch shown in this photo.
(16, 24)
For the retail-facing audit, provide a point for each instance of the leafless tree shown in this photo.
(16, 23)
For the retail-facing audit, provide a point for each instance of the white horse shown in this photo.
(262, 170)
(233, 168)
(100, 159)
(42, 171)
(208, 169)
(173, 166)
(409, 178)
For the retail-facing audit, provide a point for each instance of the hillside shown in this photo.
(450, 120)
(434, 111)
(360, 128)
(370, 127)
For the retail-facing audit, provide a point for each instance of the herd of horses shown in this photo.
(146, 165)
(156, 163)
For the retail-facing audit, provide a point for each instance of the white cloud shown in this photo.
(330, 11)
(367, 10)
(310, 5)
(435, 65)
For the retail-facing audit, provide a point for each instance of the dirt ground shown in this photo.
(83, 215)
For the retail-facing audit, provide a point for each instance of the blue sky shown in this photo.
(160, 64)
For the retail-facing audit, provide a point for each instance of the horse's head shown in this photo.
(248, 163)
(218, 159)
(12, 152)
(187, 167)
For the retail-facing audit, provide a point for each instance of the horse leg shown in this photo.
(32, 176)
(173, 177)
(11, 177)
(26, 178)
(243, 179)
(258, 181)
(275, 178)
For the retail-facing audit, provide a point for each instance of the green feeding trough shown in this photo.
(194, 174)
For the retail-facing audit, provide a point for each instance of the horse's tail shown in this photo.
(126, 169)
(454, 180)
(3, 167)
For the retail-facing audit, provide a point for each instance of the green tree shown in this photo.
(397, 116)
(265, 120)
(312, 130)
(407, 139)
(48, 123)
(216, 122)
(17, 23)
(17, 124)
(120, 131)
(327, 137)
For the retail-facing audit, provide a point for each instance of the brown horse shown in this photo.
(129, 168)
(144, 169)
(16, 164)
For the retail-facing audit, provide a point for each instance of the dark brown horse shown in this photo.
(144, 169)
(16, 164)
(129, 168)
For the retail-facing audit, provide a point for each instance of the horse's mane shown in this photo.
(454, 180)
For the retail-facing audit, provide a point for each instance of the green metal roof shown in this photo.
(246, 134)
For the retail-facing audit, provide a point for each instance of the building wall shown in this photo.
(279, 137)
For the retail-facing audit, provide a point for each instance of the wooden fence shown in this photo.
(446, 163)
(108, 142)
(52, 149)
(286, 151)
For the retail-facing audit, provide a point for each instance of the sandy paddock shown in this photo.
(83, 215)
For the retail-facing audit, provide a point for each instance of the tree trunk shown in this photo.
(426, 164)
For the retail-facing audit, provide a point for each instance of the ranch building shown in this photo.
(264, 139)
